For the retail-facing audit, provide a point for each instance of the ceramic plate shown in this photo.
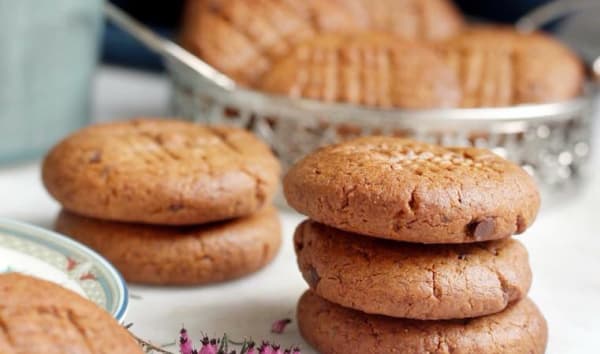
(38, 252)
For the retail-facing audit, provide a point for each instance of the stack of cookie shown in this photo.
(168, 202)
(408, 249)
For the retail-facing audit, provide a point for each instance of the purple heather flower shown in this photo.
(249, 349)
(185, 343)
(265, 348)
(219, 346)
(209, 346)
(279, 325)
(207, 350)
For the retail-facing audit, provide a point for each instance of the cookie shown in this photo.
(427, 282)
(499, 66)
(161, 172)
(42, 317)
(242, 38)
(415, 192)
(190, 255)
(238, 37)
(332, 329)
(368, 69)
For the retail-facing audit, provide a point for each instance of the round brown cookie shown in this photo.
(366, 69)
(190, 255)
(37, 316)
(161, 172)
(219, 31)
(407, 280)
(242, 38)
(409, 191)
(499, 66)
(333, 329)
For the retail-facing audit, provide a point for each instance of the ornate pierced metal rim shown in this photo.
(294, 108)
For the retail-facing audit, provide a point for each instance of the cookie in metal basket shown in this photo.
(499, 66)
(368, 69)
(243, 38)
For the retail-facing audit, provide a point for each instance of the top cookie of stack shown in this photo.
(405, 54)
(414, 192)
(161, 172)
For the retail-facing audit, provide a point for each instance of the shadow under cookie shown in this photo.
(190, 255)
(332, 329)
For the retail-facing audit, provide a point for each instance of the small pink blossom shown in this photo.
(208, 346)
(265, 348)
(279, 325)
(185, 343)
(220, 346)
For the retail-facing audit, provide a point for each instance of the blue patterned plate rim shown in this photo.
(81, 268)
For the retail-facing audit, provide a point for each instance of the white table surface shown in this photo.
(564, 247)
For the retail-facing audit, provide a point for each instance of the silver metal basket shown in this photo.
(551, 141)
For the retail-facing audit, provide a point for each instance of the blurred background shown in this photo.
(55, 53)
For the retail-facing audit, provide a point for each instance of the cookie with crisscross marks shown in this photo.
(410, 191)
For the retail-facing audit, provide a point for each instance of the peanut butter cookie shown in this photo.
(242, 38)
(332, 329)
(161, 172)
(396, 279)
(189, 255)
(501, 67)
(415, 192)
(368, 69)
(37, 316)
